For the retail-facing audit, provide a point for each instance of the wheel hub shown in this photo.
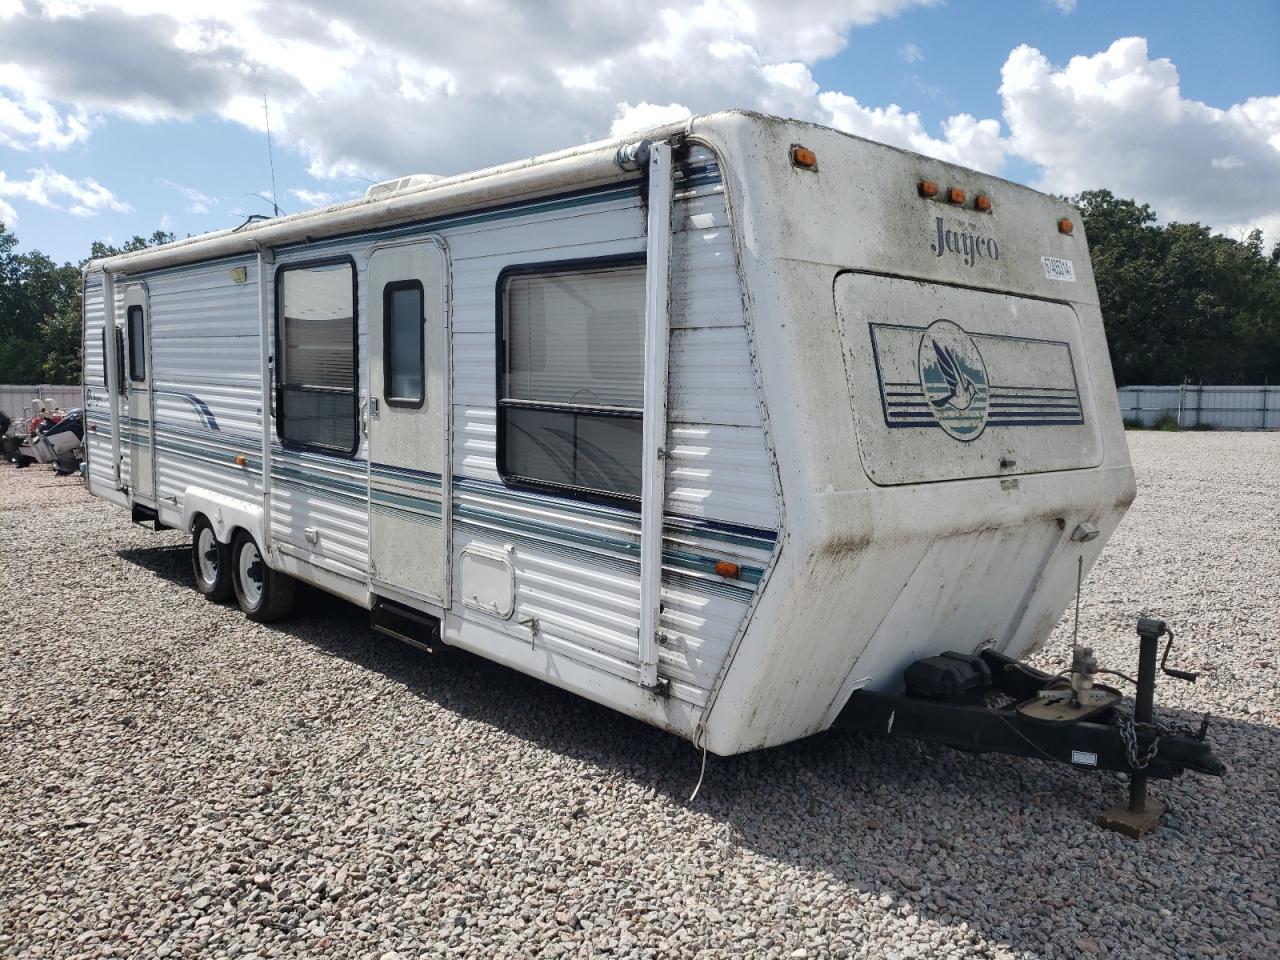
(207, 551)
(251, 573)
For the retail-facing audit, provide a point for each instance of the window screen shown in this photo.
(402, 320)
(316, 343)
(572, 391)
(137, 346)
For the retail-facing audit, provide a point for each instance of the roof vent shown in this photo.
(388, 188)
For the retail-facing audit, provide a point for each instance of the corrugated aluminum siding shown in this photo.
(576, 563)
(1192, 405)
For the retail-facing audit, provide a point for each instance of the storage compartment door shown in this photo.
(950, 383)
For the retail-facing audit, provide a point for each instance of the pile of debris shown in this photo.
(48, 435)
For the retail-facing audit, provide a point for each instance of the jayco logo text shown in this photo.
(971, 246)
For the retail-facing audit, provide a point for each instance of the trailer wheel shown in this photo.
(265, 595)
(210, 562)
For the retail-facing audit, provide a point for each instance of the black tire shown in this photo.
(210, 562)
(20, 461)
(268, 594)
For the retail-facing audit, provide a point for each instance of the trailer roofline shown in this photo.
(591, 165)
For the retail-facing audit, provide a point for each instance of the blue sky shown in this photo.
(123, 116)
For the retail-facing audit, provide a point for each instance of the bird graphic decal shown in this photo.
(961, 385)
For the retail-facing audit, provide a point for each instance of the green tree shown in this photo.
(40, 309)
(39, 305)
(1180, 301)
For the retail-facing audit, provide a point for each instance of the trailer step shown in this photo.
(142, 515)
(405, 624)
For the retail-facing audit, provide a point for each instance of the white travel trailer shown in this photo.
(715, 426)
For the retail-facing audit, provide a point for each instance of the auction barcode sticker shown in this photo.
(1055, 268)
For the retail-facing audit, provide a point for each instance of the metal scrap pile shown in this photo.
(47, 435)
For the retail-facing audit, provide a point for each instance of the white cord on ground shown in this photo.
(700, 733)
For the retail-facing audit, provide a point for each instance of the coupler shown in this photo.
(990, 703)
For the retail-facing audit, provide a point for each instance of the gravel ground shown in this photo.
(176, 781)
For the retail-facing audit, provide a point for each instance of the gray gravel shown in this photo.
(175, 781)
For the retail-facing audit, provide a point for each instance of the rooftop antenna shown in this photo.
(266, 113)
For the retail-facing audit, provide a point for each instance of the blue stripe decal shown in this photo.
(343, 481)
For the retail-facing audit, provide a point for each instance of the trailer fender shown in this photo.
(226, 514)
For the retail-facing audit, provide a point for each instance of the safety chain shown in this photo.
(1129, 735)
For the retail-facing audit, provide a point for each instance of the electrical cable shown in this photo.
(699, 734)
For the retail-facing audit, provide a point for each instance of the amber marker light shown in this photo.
(803, 157)
(927, 189)
(240, 460)
(955, 195)
(982, 203)
(727, 568)
(1065, 226)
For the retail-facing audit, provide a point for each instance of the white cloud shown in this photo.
(313, 198)
(1117, 119)
(1065, 6)
(30, 122)
(166, 221)
(392, 87)
(629, 118)
(453, 84)
(965, 139)
(197, 202)
(83, 197)
(8, 215)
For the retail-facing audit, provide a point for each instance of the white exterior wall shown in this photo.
(576, 563)
(205, 374)
(97, 412)
(854, 579)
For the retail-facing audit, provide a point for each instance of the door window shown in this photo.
(137, 345)
(403, 383)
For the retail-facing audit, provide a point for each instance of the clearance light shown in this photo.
(927, 188)
(955, 195)
(982, 203)
(1065, 226)
(803, 157)
(729, 569)
(240, 460)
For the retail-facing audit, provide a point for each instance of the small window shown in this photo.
(121, 386)
(403, 361)
(137, 346)
(106, 371)
(571, 385)
(316, 401)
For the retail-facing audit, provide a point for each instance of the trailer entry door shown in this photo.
(137, 379)
(409, 473)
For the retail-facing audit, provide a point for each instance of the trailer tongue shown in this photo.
(990, 703)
